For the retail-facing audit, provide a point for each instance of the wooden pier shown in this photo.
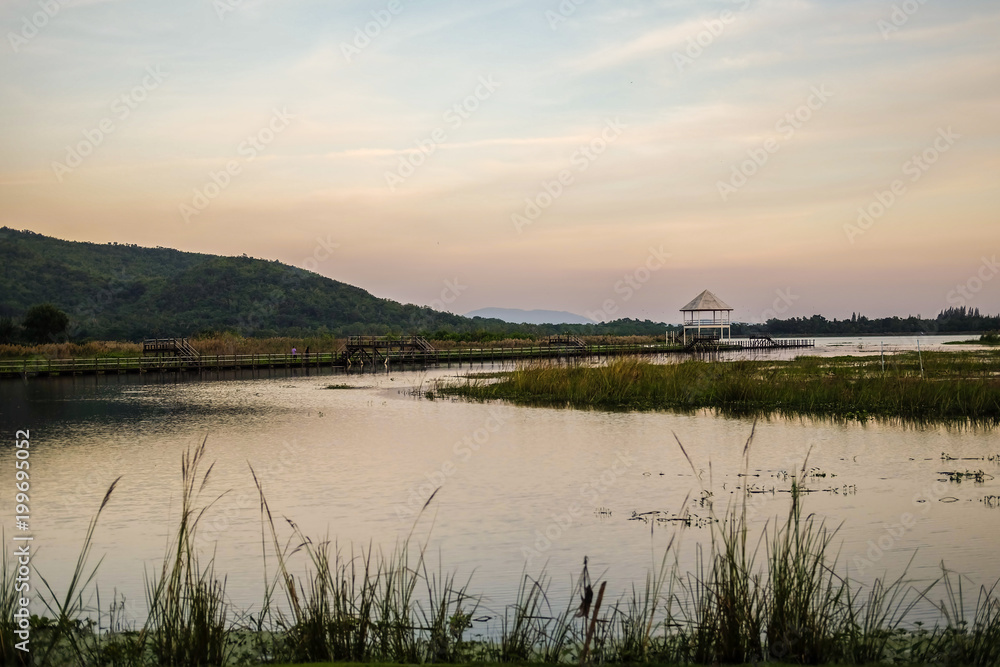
(359, 352)
(765, 342)
(382, 349)
(176, 347)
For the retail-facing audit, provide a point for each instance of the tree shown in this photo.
(8, 330)
(44, 322)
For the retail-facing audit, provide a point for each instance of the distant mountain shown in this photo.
(518, 316)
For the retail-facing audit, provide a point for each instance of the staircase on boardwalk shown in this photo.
(178, 347)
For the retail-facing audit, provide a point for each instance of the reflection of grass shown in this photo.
(934, 386)
(341, 386)
(779, 598)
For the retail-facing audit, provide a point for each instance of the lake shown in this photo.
(521, 489)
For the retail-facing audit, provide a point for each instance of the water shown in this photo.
(521, 488)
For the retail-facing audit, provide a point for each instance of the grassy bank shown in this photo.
(778, 596)
(934, 386)
(988, 338)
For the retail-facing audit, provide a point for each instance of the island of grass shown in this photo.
(927, 387)
(988, 338)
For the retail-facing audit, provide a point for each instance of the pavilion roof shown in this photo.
(706, 301)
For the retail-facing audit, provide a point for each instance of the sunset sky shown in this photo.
(611, 158)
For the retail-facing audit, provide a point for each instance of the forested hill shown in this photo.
(125, 292)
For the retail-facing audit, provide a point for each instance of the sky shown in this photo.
(609, 158)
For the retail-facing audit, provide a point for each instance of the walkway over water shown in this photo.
(176, 355)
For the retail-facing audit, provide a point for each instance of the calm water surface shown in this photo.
(521, 488)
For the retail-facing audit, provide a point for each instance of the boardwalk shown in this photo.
(360, 351)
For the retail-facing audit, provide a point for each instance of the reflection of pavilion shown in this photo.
(706, 317)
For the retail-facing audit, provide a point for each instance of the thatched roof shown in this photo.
(706, 301)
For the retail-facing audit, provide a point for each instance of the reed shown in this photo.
(187, 602)
(951, 387)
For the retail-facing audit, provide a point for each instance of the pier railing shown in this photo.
(222, 362)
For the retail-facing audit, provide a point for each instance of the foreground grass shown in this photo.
(780, 597)
(933, 386)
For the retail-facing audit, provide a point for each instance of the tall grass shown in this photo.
(71, 350)
(953, 387)
(64, 641)
(187, 603)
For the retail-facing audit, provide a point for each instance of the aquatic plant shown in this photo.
(945, 387)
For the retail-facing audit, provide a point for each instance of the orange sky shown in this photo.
(530, 154)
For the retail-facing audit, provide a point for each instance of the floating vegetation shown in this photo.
(342, 386)
(685, 519)
(976, 476)
(992, 458)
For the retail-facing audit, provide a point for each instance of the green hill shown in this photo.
(125, 292)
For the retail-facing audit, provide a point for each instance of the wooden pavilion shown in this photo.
(706, 316)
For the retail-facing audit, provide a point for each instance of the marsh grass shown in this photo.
(87, 350)
(775, 593)
(951, 387)
(187, 602)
